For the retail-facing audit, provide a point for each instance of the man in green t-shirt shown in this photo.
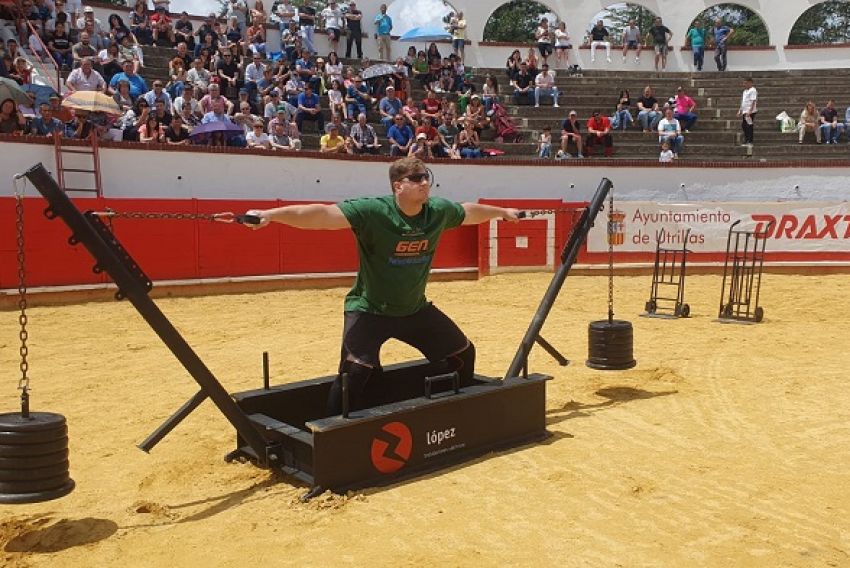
(696, 39)
(397, 237)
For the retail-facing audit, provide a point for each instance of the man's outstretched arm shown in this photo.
(313, 216)
(478, 213)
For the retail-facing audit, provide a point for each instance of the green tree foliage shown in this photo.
(749, 27)
(618, 18)
(828, 22)
(514, 21)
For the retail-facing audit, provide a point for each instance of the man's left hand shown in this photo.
(511, 215)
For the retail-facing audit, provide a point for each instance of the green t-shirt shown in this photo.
(395, 251)
(697, 37)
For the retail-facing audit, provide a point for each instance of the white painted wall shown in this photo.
(157, 174)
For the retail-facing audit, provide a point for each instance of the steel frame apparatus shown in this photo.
(669, 272)
(745, 251)
(406, 426)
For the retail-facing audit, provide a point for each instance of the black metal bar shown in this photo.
(166, 427)
(550, 349)
(346, 394)
(137, 294)
(266, 379)
(568, 257)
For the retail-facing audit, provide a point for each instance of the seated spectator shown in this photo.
(140, 23)
(599, 132)
(62, 113)
(60, 45)
(189, 119)
(309, 108)
(91, 24)
(420, 148)
(544, 84)
(117, 29)
(670, 131)
(162, 27)
(177, 75)
(272, 102)
(187, 99)
(490, 92)
(138, 87)
(285, 114)
(258, 139)
(130, 49)
(357, 98)
(82, 49)
(468, 142)
(599, 37)
(411, 112)
(336, 102)
(432, 138)
(448, 132)
(85, 78)
(162, 113)
(177, 134)
(199, 76)
(523, 84)
(571, 132)
(389, 107)
(809, 122)
(257, 36)
(400, 136)
(21, 72)
(666, 156)
(622, 116)
(253, 74)
(209, 44)
(332, 142)
(217, 112)
(45, 124)
(158, 93)
(830, 128)
(183, 32)
(684, 109)
(280, 140)
(227, 71)
(293, 88)
(420, 70)
(97, 40)
(476, 114)
(308, 71)
(110, 61)
(648, 113)
(151, 132)
(243, 98)
(364, 139)
(212, 96)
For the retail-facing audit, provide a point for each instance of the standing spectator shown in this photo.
(661, 36)
(670, 131)
(648, 113)
(184, 31)
(384, 25)
(457, 27)
(59, 45)
(632, 40)
(830, 128)
(353, 20)
(599, 132)
(389, 107)
(623, 116)
(333, 23)
(309, 109)
(544, 143)
(685, 107)
(363, 138)
(571, 132)
(809, 122)
(544, 84)
(400, 136)
(522, 83)
(748, 110)
(562, 45)
(721, 35)
(599, 38)
(85, 78)
(696, 39)
(544, 39)
(307, 21)
(666, 156)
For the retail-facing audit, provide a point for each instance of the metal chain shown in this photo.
(24, 381)
(110, 214)
(611, 233)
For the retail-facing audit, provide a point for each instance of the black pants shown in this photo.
(354, 37)
(720, 57)
(429, 330)
(318, 118)
(748, 128)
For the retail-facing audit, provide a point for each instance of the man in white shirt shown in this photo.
(85, 78)
(257, 138)
(670, 131)
(187, 98)
(748, 110)
(253, 74)
(333, 24)
(544, 84)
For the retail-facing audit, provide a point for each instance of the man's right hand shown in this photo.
(261, 215)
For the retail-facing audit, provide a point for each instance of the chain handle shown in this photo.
(24, 381)
(611, 232)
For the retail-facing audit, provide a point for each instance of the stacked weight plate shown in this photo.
(33, 457)
(610, 345)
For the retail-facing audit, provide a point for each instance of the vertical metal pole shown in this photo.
(266, 370)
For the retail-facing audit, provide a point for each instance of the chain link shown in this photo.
(24, 382)
(612, 229)
(110, 214)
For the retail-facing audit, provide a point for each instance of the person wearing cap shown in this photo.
(420, 148)
(333, 23)
(257, 138)
(544, 84)
(353, 19)
(88, 19)
(389, 107)
(432, 137)
(332, 142)
(571, 132)
(599, 132)
(397, 237)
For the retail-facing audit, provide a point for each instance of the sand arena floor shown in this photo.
(728, 445)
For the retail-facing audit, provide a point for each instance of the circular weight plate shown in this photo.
(758, 314)
(37, 421)
(650, 307)
(36, 437)
(33, 485)
(34, 473)
(611, 367)
(34, 461)
(38, 496)
(20, 451)
(685, 311)
(601, 325)
(727, 311)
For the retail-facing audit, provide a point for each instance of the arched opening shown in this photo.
(516, 21)
(617, 17)
(409, 14)
(827, 22)
(750, 29)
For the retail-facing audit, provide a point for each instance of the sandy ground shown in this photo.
(728, 445)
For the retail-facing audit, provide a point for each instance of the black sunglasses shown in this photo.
(418, 178)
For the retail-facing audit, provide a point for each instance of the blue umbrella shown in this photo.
(425, 33)
(229, 129)
(42, 93)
